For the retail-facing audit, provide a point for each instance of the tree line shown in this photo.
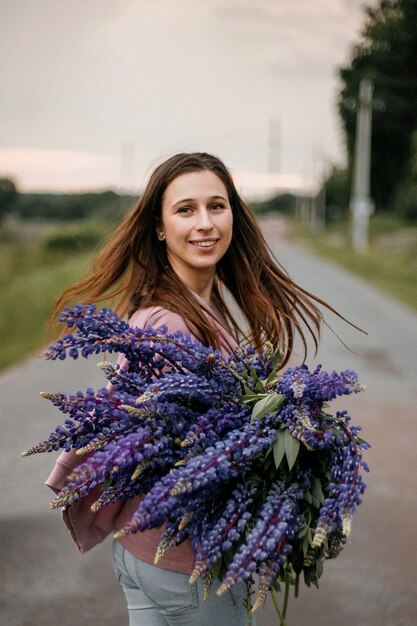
(385, 53)
(107, 205)
(61, 207)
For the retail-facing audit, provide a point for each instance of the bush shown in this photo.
(55, 207)
(337, 186)
(75, 239)
(406, 200)
(8, 197)
(282, 203)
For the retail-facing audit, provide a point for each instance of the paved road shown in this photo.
(43, 579)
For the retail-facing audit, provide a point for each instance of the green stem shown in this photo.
(274, 600)
(286, 596)
(248, 601)
(297, 585)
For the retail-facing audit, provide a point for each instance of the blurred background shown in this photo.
(94, 96)
(313, 107)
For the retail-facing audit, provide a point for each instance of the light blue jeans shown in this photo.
(159, 597)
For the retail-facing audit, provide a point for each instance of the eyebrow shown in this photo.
(192, 199)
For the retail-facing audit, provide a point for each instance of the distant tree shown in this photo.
(387, 54)
(406, 196)
(8, 197)
(281, 203)
(70, 206)
(337, 186)
(70, 239)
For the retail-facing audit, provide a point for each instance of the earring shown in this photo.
(161, 236)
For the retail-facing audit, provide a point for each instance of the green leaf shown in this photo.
(258, 383)
(307, 497)
(248, 391)
(215, 569)
(302, 532)
(271, 378)
(306, 544)
(274, 364)
(317, 491)
(276, 358)
(268, 404)
(278, 448)
(250, 397)
(254, 479)
(292, 447)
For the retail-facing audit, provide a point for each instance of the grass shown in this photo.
(33, 275)
(30, 283)
(390, 263)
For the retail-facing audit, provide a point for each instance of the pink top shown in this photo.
(87, 528)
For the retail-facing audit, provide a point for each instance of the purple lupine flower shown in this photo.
(221, 462)
(183, 427)
(346, 489)
(217, 422)
(299, 382)
(219, 533)
(277, 523)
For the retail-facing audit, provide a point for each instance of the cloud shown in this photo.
(172, 75)
(291, 40)
(59, 169)
(256, 12)
(71, 171)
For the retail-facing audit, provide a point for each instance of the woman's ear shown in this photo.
(160, 232)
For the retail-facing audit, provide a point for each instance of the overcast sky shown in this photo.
(95, 93)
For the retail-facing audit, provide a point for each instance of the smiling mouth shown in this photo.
(204, 244)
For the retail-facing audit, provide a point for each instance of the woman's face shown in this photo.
(197, 223)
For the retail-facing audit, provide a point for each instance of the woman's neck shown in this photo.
(204, 292)
(199, 283)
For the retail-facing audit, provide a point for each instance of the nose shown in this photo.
(203, 221)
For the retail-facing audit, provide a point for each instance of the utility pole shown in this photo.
(361, 204)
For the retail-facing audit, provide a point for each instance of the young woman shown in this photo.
(189, 233)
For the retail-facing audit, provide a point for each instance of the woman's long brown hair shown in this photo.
(132, 270)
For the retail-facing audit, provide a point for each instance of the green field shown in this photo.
(38, 261)
(30, 290)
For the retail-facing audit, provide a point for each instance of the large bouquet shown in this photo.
(241, 458)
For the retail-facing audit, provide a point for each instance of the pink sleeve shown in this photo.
(163, 317)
